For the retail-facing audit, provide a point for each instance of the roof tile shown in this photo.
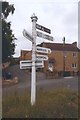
(60, 47)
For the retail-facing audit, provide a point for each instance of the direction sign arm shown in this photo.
(39, 34)
(40, 27)
(27, 35)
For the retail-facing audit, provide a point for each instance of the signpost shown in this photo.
(24, 64)
(42, 35)
(43, 50)
(41, 57)
(27, 35)
(40, 27)
(33, 76)
(37, 60)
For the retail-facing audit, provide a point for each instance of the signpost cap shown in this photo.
(34, 17)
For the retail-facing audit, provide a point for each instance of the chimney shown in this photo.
(75, 44)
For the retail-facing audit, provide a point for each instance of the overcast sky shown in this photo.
(61, 16)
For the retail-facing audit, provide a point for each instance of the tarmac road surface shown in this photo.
(41, 82)
(69, 83)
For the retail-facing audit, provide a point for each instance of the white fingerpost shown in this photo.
(33, 76)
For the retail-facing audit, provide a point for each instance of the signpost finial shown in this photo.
(34, 17)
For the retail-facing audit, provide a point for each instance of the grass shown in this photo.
(60, 103)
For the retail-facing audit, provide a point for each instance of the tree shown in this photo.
(8, 44)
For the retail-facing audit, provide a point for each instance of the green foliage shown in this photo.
(55, 104)
(6, 9)
(60, 103)
(8, 45)
(15, 105)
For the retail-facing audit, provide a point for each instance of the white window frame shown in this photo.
(74, 65)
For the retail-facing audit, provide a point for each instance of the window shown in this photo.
(74, 65)
(74, 54)
(51, 64)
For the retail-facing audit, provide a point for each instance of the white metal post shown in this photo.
(33, 77)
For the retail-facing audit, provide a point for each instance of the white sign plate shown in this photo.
(41, 57)
(42, 35)
(27, 35)
(28, 64)
(43, 50)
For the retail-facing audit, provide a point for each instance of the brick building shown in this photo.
(63, 57)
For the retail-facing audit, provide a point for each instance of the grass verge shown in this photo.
(60, 103)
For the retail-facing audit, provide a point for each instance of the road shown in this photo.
(41, 82)
(70, 83)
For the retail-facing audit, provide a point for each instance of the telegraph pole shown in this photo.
(64, 54)
(33, 76)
